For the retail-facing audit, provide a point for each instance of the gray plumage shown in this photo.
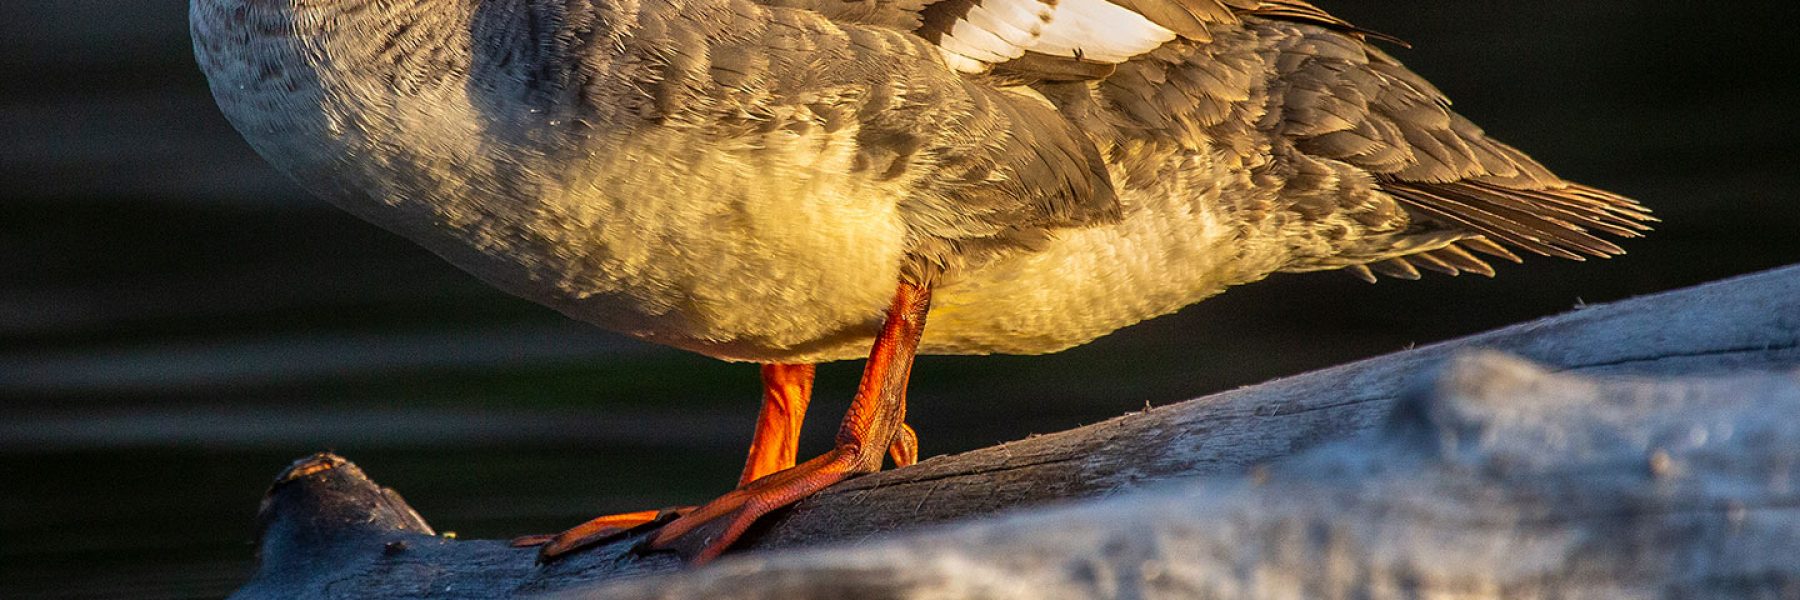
(749, 179)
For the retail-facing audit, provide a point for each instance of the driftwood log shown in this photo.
(1653, 449)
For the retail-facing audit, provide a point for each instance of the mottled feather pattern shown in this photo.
(1352, 115)
(1349, 102)
(748, 178)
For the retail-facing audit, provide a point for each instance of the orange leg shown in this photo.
(870, 429)
(786, 391)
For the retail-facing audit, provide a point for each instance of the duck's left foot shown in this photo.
(603, 529)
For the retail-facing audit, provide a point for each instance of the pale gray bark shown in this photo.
(1501, 481)
(1665, 464)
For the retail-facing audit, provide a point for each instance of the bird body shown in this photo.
(750, 179)
(748, 182)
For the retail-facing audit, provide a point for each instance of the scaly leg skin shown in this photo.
(787, 389)
(871, 429)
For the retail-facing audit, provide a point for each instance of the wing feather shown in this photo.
(1328, 104)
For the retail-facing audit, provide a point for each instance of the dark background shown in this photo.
(177, 321)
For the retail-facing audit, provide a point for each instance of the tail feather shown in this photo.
(1565, 221)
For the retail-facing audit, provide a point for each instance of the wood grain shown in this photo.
(1479, 446)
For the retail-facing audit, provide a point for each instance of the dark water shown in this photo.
(177, 322)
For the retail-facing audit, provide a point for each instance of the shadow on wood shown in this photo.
(1665, 465)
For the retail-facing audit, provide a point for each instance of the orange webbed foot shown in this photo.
(597, 531)
(703, 534)
(875, 425)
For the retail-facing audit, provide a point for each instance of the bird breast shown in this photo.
(775, 244)
(746, 250)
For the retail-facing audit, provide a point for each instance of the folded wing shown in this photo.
(1319, 98)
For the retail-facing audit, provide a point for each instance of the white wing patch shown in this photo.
(1099, 30)
(996, 31)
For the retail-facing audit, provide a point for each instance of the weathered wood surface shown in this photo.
(332, 533)
(1502, 481)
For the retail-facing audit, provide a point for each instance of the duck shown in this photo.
(793, 182)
